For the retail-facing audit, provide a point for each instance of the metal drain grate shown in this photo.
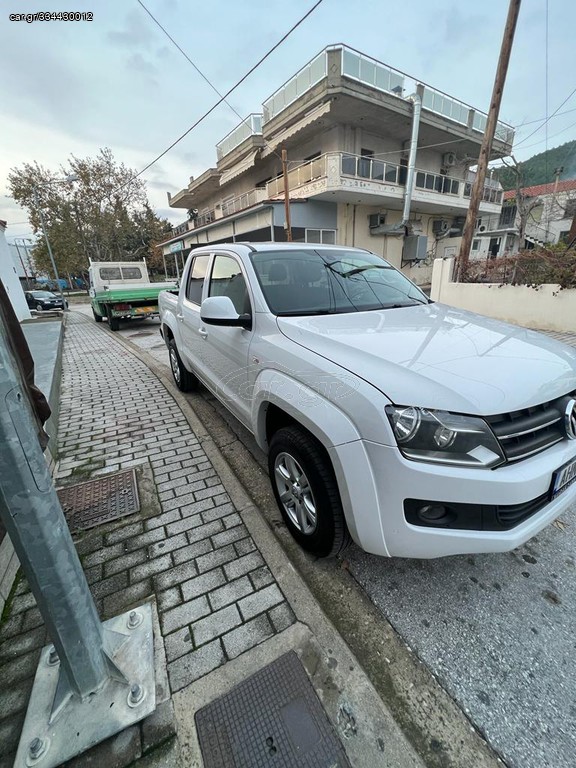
(98, 501)
(273, 719)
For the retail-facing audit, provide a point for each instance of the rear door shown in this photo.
(188, 314)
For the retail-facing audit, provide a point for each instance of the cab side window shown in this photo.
(227, 280)
(196, 279)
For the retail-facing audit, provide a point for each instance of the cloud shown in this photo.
(136, 31)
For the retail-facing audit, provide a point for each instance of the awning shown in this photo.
(239, 168)
(308, 119)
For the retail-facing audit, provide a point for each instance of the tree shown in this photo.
(524, 204)
(103, 215)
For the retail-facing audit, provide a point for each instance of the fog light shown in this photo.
(432, 513)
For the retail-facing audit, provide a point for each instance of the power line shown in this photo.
(542, 119)
(228, 92)
(547, 120)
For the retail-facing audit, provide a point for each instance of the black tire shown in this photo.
(39, 308)
(113, 322)
(183, 378)
(97, 317)
(327, 534)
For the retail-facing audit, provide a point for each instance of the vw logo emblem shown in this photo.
(570, 419)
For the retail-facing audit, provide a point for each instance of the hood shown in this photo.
(435, 356)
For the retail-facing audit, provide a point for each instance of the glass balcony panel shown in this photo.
(420, 179)
(378, 170)
(350, 64)
(391, 174)
(382, 79)
(349, 165)
(368, 71)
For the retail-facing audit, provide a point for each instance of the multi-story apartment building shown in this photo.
(549, 217)
(377, 160)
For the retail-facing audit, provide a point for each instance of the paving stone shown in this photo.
(216, 492)
(176, 575)
(121, 534)
(102, 555)
(32, 619)
(232, 520)
(244, 546)
(229, 536)
(216, 624)
(178, 644)
(282, 617)
(163, 519)
(216, 513)
(213, 559)
(150, 568)
(14, 698)
(109, 585)
(261, 577)
(247, 636)
(122, 601)
(91, 543)
(169, 598)
(192, 551)
(184, 614)
(194, 665)
(190, 487)
(159, 726)
(126, 561)
(10, 730)
(230, 593)
(207, 582)
(200, 531)
(167, 545)
(261, 601)
(21, 603)
(20, 644)
(243, 565)
(19, 668)
(183, 525)
(144, 539)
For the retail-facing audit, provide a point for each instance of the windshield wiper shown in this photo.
(363, 268)
(303, 312)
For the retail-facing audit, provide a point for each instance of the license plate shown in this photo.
(143, 310)
(563, 478)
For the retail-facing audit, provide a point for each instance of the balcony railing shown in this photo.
(252, 126)
(379, 171)
(248, 199)
(367, 70)
(302, 81)
(180, 229)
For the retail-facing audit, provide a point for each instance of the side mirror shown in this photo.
(219, 310)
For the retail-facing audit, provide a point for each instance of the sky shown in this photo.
(71, 87)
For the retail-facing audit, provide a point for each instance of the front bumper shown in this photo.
(374, 499)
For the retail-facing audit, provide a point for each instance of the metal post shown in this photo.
(39, 209)
(79, 675)
(286, 196)
(23, 267)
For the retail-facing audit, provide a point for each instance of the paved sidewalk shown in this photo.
(190, 548)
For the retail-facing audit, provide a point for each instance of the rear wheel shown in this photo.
(113, 322)
(306, 491)
(97, 317)
(183, 378)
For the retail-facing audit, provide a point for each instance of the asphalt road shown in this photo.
(497, 631)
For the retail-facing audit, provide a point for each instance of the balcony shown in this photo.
(343, 177)
(251, 126)
(240, 202)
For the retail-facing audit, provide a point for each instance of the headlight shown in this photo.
(444, 438)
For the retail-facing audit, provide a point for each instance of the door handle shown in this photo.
(203, 332)
(179, 316)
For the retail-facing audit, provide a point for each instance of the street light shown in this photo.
(68, 179)
(23, 241)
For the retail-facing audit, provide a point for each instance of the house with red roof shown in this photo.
(549, 220)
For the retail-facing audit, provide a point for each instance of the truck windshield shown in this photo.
(317, 282)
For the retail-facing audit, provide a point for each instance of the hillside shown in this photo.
(539, 169)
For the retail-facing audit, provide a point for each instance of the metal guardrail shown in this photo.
(240, 202)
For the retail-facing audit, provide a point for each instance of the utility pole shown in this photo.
(288, 227)
(486, 148)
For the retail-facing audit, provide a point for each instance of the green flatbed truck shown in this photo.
(121, 290)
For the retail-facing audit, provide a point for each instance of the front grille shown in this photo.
(524, 433)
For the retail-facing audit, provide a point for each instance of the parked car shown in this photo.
(417, 429)
(41, 300)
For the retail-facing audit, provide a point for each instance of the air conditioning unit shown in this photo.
(482, 228)
(376, 220)
(440, 226)
(449, 159)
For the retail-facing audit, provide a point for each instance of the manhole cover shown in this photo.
(273, 718)
(98, 501)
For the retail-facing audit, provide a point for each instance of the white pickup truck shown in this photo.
(417, 429)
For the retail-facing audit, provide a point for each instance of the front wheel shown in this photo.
(184, 380)
(306, 491)
(39, 308)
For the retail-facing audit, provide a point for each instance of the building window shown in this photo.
(324, 236)
(475, 245)
(365, 162)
